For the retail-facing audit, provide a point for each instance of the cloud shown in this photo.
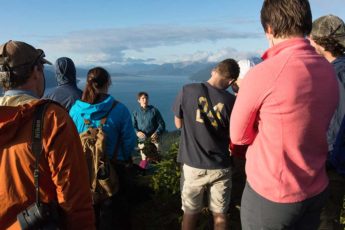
(218, 55)
(139, 60)
(111, 45)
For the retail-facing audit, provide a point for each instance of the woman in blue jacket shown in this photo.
(95, 105)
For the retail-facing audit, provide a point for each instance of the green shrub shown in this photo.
(163, 210)
(166, 179)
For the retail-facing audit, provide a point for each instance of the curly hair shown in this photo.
(331, 45)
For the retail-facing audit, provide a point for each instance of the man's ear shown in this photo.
(269, 29)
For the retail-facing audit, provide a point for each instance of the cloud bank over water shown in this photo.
(114, 45)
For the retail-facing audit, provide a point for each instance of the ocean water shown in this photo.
(162, 92)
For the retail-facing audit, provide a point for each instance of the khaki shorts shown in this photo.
(194, 183)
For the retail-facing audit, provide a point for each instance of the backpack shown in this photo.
(103, 179)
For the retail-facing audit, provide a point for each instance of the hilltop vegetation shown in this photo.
(163, 209)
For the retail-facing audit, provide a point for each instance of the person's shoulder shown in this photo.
(151, 107)
(54, 106)
(119, 104)
(54, 113)
(73, 88)
(50, 93)
(223, 95)
(192, 85)
(189, 88)
(120, 108)
(228, 95)
(339, 65)
(77, 105)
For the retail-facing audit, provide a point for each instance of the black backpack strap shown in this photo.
(36, 145)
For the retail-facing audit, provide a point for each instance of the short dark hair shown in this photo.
(97, 78)
(228, 68)
(330, 45)
(140, 94)
(286, 17)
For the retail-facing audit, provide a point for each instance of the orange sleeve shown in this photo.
(68, 168)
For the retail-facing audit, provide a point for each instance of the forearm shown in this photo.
(178, 122)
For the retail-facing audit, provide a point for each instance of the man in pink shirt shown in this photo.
(282, 112)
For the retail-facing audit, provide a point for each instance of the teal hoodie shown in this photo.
(118, 126)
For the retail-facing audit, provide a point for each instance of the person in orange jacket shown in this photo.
(62, 168)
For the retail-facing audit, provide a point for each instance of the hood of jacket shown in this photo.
(93, 111)
(65, 71)
(12, 118)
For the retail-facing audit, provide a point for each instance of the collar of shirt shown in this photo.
(14, 92)
(145, 109)
(273, 51)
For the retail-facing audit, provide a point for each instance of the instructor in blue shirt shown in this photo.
(147, 121)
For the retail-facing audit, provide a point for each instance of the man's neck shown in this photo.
(215, 83)
(276, 41)
(330, 58)
(14, 92)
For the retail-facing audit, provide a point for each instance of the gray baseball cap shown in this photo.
(329, 26)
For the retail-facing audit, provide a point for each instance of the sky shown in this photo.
(106, 32)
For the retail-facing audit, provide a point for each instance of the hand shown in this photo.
(141, 135)
(154, 136)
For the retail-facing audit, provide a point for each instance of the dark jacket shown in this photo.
(67, 92)
(339, 66)
(148, 121)
(337, 156)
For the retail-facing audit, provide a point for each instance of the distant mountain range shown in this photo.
(197, 71)
(182, 68)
